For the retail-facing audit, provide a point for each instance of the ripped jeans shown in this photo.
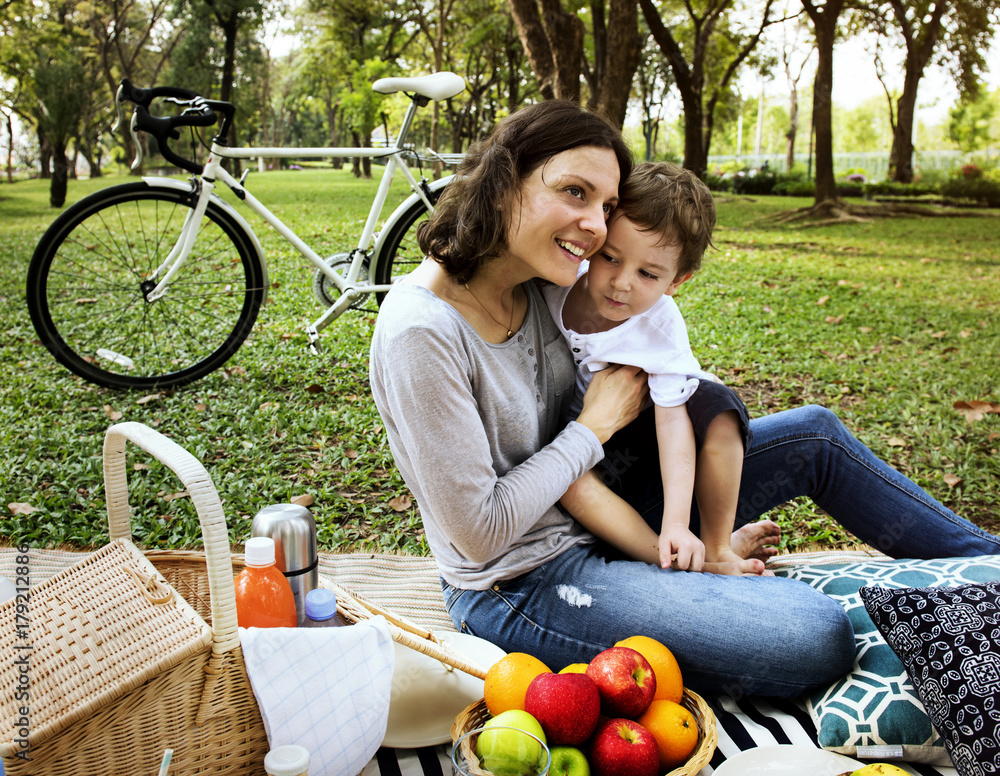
(732, 636)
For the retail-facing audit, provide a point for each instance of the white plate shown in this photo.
(787, 760)
(426, 696)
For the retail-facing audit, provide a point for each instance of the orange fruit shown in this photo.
(675, 730)
(507, 681)
(669, 683)
(575, 668)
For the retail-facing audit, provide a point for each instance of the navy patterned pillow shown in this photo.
(948, 639)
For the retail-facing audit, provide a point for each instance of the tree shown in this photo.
(824, 22)
(704, 61)
(553, 40)
(617, 51)
(654, 80)
(972, 122)
(965, 27)
(62, 104)
(794, 65)
(365, 39)
(232, 17)
(134, 40)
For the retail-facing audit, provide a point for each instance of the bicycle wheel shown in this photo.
(91, 274)
(402, 254)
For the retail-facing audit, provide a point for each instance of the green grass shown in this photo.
(888, 323)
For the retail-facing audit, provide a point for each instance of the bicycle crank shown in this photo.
(327, 293)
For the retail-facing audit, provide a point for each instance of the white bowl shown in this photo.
(427, 695)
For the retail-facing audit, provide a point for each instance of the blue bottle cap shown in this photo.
(321, 604)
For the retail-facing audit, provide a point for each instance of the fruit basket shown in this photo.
(476, 715)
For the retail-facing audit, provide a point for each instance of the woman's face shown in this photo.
(561, 216)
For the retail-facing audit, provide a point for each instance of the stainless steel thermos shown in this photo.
(294, 532)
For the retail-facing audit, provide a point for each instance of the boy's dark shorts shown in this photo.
(638, 438)
(711, 400)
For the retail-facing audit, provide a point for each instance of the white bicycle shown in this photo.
(158, 282)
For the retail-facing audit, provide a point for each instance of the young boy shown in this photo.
(621, 311)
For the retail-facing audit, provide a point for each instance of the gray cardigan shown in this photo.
(474, 428)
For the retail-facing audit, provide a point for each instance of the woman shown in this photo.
(471, 377)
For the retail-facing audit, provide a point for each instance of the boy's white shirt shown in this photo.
(655, 341)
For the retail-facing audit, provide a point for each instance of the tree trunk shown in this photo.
(60, 175)
(793, 128)
(553, 41)
(10, 149)
(622, 52)
(825, 29)
(695, 148)
(901, 153)
(44, 156)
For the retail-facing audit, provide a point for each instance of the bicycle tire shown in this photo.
(401, 253)
(90, 275)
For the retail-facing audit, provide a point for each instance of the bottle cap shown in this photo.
(290, 760)
(321, 604)
(259, 551)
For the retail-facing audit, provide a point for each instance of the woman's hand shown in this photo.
(613, 400)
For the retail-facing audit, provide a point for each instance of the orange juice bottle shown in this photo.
(263, 596)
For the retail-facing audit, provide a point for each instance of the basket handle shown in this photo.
(218, 557)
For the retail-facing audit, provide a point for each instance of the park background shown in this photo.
(891, 321)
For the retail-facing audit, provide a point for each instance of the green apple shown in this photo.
(568, 761)
(505, 750)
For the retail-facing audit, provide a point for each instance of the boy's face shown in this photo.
(632, 271)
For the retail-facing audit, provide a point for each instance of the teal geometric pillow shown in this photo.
(876, 707)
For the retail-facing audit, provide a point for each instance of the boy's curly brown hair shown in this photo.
(665, 198)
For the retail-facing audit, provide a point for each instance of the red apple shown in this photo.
(623, 747)
(566, 705)
(625, 681)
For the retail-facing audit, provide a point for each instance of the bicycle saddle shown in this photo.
(438, 86)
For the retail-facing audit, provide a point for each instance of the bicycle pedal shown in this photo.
(313, 335)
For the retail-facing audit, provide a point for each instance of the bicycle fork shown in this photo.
(182, 248)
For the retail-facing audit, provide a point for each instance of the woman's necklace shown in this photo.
(513, 309)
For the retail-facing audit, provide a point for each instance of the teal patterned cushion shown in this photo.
(876, 704)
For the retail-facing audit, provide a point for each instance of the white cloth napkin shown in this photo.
(326, 689)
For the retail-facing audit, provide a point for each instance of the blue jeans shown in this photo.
(732, 635)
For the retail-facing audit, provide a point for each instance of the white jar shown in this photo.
(290, 760)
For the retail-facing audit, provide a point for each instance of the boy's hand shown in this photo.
(681, 549)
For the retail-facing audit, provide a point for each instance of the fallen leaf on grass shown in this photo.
(401, 503)
(148, 398)
(305, 500)
(951, 480)
(896, 442)
(835, 319)
(201, 406)
(351, 453)
(21, 508)
(823, 300)
(269, 405)
(975, 410)
(111, 413)
(140, 467)
(175, 496)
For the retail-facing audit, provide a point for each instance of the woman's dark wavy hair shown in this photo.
(469, 225)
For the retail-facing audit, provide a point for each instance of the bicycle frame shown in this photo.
(351, 286)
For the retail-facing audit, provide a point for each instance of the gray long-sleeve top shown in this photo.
(474, 428)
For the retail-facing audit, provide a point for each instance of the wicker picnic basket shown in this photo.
(475, 715)
(119, 664)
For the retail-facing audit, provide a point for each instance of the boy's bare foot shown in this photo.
(737, 567)
(756, 540)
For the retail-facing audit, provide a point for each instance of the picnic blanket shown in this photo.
(408, 586)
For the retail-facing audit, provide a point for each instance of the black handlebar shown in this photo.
(198, 112)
